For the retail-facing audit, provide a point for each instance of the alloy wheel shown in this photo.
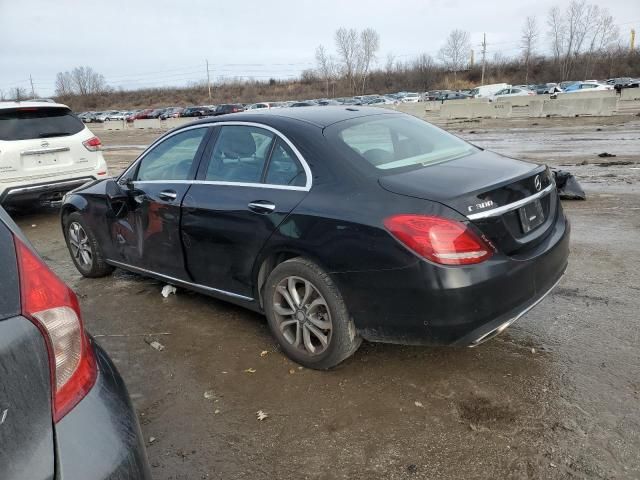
(302, 315)
(79, 244)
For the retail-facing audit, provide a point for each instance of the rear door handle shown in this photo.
(261, 206)
(168, 195)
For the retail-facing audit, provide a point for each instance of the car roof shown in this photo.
(321, 116)
(28, 104)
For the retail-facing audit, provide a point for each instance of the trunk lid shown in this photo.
(488, 189)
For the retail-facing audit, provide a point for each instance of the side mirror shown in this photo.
(115, 192)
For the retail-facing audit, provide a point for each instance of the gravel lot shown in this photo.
(555, 396)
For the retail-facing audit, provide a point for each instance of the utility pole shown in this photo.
(208, 80)
(632, 44)
(33, 91)
(484, 52)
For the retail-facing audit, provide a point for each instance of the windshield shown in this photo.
(28, 123)
(389, 142)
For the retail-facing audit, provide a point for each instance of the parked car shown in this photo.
(451, 96)
(173, 112)
(587, 87)
(45, 151)
(411, 97)
(143, 114)
(197, 112)
(303, 104)
(118, 115)
(484, 91)
(156, 113)
(512, 92)
(228, 108)
(64, 409)
(259, 105)
(437, 242)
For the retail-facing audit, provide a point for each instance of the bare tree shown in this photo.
(86, 81)
(528, 43)
(604, 34)
(390, 63)
(367, 54)
(326, 66)
(347, 49)
(569, 32)
(18, 94)
(64, 84)
(424, 69)
(455, 52)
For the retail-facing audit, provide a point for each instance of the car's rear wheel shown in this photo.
(84, 248)
(308, 316)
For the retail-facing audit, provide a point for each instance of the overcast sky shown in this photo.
(137, 43)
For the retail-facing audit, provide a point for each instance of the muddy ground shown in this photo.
(556, 396)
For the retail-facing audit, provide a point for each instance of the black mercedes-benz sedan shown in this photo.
(339, 223)
(64, 409)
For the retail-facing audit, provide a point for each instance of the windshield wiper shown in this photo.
(53, 134)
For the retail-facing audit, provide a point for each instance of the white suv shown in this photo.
(45, 151)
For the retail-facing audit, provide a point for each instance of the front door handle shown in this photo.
(168, 195)
(261, 206)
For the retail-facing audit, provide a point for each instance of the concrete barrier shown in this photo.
(147, 123)
(415, 109)
(603, 106)
(535, 107)
(472, 109)
(521, 101)
(114, 125)
(432, 106)
(629, 94)
(588, 94)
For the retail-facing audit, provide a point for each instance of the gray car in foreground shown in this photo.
(64, 409)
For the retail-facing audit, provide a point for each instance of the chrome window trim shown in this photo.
(495, 212)
(177, 280)
(301, 159)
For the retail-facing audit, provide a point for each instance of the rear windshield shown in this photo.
(29, 123)
(388, 142)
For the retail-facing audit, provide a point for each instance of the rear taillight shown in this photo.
(53, 307)
(93, 144)
(438, 239)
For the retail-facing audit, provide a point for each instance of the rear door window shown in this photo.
(33, 123)
(239, 154)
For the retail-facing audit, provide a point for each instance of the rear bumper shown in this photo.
(425, 304)
(100, 438)
(41, 192)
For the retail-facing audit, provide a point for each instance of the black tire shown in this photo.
(343, 339)
(97, 267)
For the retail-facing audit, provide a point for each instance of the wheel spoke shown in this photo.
(318, 302)
(307, 340)
(281, 310)
(308, 290)
(293, 291)
(86, 258)
(298, 328)
(319, 322)
(318, 334)
(283, 291)
(286, 323)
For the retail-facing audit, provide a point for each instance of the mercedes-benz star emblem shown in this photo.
(537, 183)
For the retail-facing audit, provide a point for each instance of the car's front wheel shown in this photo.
(84, 248)
(308, 316)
